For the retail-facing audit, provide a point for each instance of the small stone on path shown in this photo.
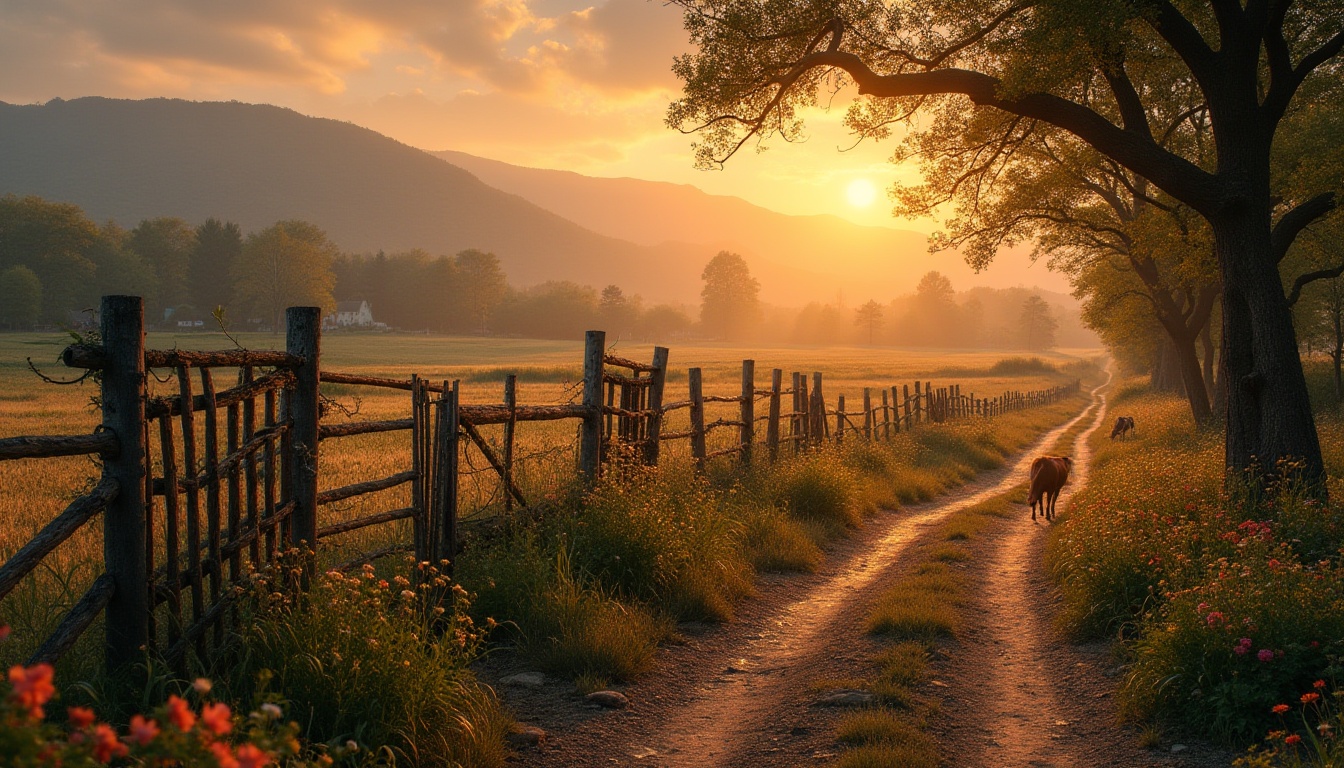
(848, 699)
(1178, 747)
(643, 752)
(608, 699)
(527, 736)
(525, 680)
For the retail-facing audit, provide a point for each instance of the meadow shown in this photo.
(566, 600)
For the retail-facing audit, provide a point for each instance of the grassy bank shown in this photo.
(1226, 604)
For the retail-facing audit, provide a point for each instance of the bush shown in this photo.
(1020, 366)
(379, 662)
(821, 489)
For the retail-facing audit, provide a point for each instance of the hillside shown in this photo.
(254, 164)
(862, 261)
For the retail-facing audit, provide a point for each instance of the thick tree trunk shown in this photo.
(1166, 374)
(1337, 356)
(1269, 417)
(1206, 342)
(1193, 379)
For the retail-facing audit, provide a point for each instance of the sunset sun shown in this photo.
(861, 193)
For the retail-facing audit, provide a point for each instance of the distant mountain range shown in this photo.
(256, 164)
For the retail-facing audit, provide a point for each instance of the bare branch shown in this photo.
(1293, 222)
(1303, 281)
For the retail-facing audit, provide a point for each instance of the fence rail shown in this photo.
(200, 487)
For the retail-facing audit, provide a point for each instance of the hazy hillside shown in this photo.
(863, 262)
(130, 160)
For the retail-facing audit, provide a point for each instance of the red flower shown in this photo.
(106, 745)
(1279, 709)
(179, 712)
(32, 687)
(1318, 684)
(223, 755)
(217, 718)
(1308, 698)
(1293, 738)
(251, 756)
(143, 731)
(81, 717)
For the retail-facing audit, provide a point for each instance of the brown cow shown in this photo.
(1048, 475)
(1123, 426)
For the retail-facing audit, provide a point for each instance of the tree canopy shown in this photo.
(730, 299)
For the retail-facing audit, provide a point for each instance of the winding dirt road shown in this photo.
(744, 694)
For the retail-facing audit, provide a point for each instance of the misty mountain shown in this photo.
(255, 164)
(827, 252)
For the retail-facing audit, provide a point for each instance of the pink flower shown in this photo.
(1215, 618)
(1241, 650)
(1265, 655)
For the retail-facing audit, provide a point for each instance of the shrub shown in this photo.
(821, 489)
(1020, 366)
(377, 661)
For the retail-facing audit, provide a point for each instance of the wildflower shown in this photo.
(1265, 655)
(143, 731)
(1319, 684)
(106, 745)
(382, 584)
(252, 756)
(1279, 709)
(407, 594)
(217, 718)
(223, 755)
(1215, 618)
(272, 710)
(80, 717)
(1310, 698)
(201, 686)
(1293, 738)
(179, 712)
(31, 687)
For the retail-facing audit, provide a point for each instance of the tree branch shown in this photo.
(1303, 281)
(1293, 222)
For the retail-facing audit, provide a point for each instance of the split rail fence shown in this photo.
(202, 487)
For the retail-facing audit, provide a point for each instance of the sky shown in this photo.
(579, 85)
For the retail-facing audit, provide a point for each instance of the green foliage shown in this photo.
(376, 661)
(1020, 366)
(285, 265)
(729, 301)
(20, 296)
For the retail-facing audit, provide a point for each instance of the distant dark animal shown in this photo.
(1048, 475)
(1123, 426)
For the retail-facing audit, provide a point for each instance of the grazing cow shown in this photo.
(1048, 475)
(1123, 426)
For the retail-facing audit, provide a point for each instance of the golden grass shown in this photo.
(549, 372)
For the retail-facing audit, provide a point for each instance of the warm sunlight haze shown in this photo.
(861, 193)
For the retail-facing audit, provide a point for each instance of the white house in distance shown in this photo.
(350, 314)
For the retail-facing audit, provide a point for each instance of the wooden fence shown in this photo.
(203, 487)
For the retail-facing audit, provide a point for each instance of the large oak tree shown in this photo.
(1094, 70)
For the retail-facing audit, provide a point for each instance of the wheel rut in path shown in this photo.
(1021, 695)
(738, 695)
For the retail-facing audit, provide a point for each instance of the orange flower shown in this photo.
(1279, 709)
(106, 745)
(32, 687)
(81, 717)
(1308, 698)
(1318, 684)
(1293, 739)
(179, 712)
(223, 755)
(143, 731)
(217, 718)
(252, 756)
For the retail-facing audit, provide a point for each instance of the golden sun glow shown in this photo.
(861, 193)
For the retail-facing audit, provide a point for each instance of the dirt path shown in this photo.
(1021, 696)
(743, 694)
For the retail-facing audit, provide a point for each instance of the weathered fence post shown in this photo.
(818, 409)
(886, 415)
(303, 338)
(657, 381)
(445, 476)
(772, 426)
(868, 414)
(839, 419)
(695, 384)
(590, 441)
(804, 409)
(748, 410)
(510, 426)
(420, 494)
(919, 404)
(124, 522)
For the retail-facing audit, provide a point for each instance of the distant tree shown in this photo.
(285, 265)
(55, 241)
(730, 300)
(615, 311)
(20, 297)
(481, 285)
(218, 245)
(663, 321)
(166, 244)
(933, 313)
(1037, 324)
(118, 269)
(869, 317)
(557, 309)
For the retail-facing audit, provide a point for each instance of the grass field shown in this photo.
(34, 491)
